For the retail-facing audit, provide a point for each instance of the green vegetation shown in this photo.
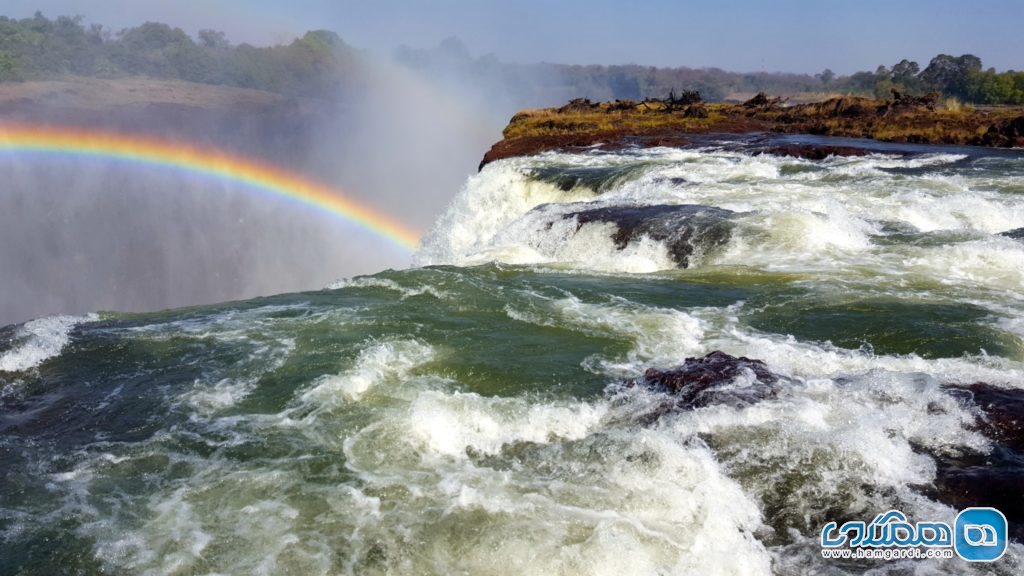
(321, 63)
(961, 77)
(958, 77)
(40, 48)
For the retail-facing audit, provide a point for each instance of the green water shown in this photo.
(472, 418)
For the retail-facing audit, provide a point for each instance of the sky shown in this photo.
(782, 35)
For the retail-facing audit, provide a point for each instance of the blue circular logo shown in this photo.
(980, 534)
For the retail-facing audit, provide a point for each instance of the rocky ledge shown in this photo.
(672, 122)
(993, 478)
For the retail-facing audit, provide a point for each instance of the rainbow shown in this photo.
(211, 162)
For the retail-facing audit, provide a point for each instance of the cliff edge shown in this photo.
(671, 121)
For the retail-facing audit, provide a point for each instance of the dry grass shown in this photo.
(616, 124)
(952, 123)
(642, 118)
(955, 107)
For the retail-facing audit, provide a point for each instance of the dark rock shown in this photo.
(848, 107)
(997, 478)
(622, 105)
(578, 105)
(666, 140)
(761, 101)
(672, 181)
(1003, 410)
(683, 228)
(815, 152)
(902, 101)
(985, 485)
(687, 100)
(1016, 233)
(1005, 134)
(707, 380)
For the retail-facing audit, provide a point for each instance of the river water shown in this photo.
(468, 415)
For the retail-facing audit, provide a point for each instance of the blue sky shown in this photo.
(786, 35)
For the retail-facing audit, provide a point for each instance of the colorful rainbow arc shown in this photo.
(204, 161)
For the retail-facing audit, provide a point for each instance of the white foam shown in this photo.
(39, 340)
(450, 424)
(489, 201)
(376, 364)
(660, 336)
(997, 262)
(822, 219)
(582, 496)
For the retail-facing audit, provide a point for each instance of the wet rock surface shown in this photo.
(684, 228)
(717, 378)
(1016, 234)
(997, 478)
(813, 151)
(966, 480)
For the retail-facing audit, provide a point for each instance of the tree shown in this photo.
(905, 71)
(213, 39)
(7, 66)
(951, 75)
(904, 75)
(826, 76)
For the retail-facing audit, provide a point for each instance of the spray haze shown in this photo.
(86, 234)
(398, 133)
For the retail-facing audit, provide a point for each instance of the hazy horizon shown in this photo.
(739, 36)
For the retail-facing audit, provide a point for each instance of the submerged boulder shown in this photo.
(814, 151)
(1016, 233)
(997, 478)
(684, 229)
(1002, 412)
(717, 378)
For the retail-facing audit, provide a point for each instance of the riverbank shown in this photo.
(614, 125)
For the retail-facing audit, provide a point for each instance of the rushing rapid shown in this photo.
(474, 414)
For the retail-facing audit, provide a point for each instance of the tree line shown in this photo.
(962, 77)
(320, 63)
(40, 48)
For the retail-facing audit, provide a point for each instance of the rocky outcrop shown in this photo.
(963, 480)
(814, 152)
(1016, 233)
(1002, 413)
(761, 101)
(1005, 134)
(901, 101)
(902, 119)
(717, 378)
(997, 478)
(685, 229)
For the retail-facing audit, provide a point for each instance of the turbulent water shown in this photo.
(468, 415)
